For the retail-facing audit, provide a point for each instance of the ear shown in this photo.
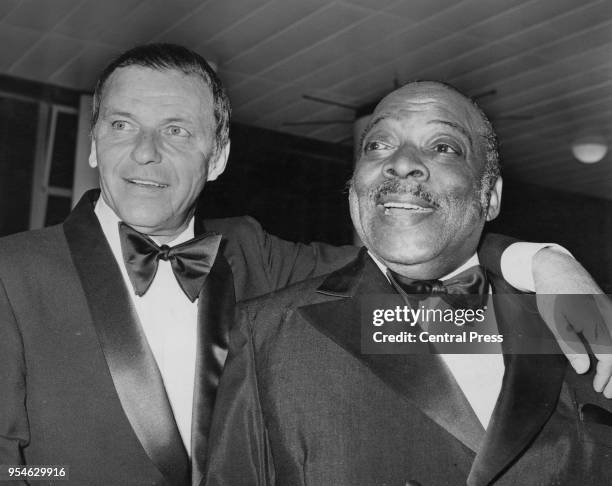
(93, 158)
(495, 200)
(217, 162)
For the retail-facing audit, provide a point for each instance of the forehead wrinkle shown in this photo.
(399, 117)
(375, 121)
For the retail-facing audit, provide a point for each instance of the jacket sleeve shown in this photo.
(293, 262)
(287, 262)
(490, 250)
(14, 431)
(239, 451)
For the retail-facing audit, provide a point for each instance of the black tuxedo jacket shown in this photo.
(79, 385)
(300, 404)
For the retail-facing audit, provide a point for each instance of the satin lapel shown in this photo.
(530, 387)
(421, 379)
(215, 317)
(130, 361)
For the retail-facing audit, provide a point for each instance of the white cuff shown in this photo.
(517, 263)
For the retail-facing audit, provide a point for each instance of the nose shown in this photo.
(146, 151)
(406, 163)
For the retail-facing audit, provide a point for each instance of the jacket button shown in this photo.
(413, 482)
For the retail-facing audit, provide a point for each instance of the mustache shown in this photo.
(397, 187)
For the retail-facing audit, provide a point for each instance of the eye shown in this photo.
(375, 145)
(177, 131)
(120, 125)
(444, 148)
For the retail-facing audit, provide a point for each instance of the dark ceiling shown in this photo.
(548, 63)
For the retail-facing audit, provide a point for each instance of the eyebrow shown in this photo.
(375, 122)
(382, 117)
(456, 126)
(371, 124)
(127, 114)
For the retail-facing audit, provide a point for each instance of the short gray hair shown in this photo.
(172, 57)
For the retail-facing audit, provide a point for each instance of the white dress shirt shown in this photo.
(480, 376)
(169, 321)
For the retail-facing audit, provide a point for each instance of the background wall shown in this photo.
(18, 123)
(294, 186)
(582, 224)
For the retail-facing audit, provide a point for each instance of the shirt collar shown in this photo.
(472, 261)
(109, 222)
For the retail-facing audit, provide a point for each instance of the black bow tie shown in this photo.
(191, 261)
(469, 287)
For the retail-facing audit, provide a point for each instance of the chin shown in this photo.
(139, 218)
(404, 251)
(413, 244)
(405, 256)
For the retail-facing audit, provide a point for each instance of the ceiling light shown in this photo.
(589, 150)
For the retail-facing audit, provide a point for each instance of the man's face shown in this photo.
(416, 196)
(154, 144)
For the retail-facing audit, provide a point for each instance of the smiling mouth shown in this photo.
(404, 206)
(146, 183)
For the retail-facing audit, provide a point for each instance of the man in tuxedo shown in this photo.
(111, 342)
(114, 325)
(302, 402)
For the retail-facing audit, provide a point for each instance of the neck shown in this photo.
(161, 234)
(162, 237)
(433, 270)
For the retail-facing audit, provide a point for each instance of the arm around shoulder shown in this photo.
(287, 262)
